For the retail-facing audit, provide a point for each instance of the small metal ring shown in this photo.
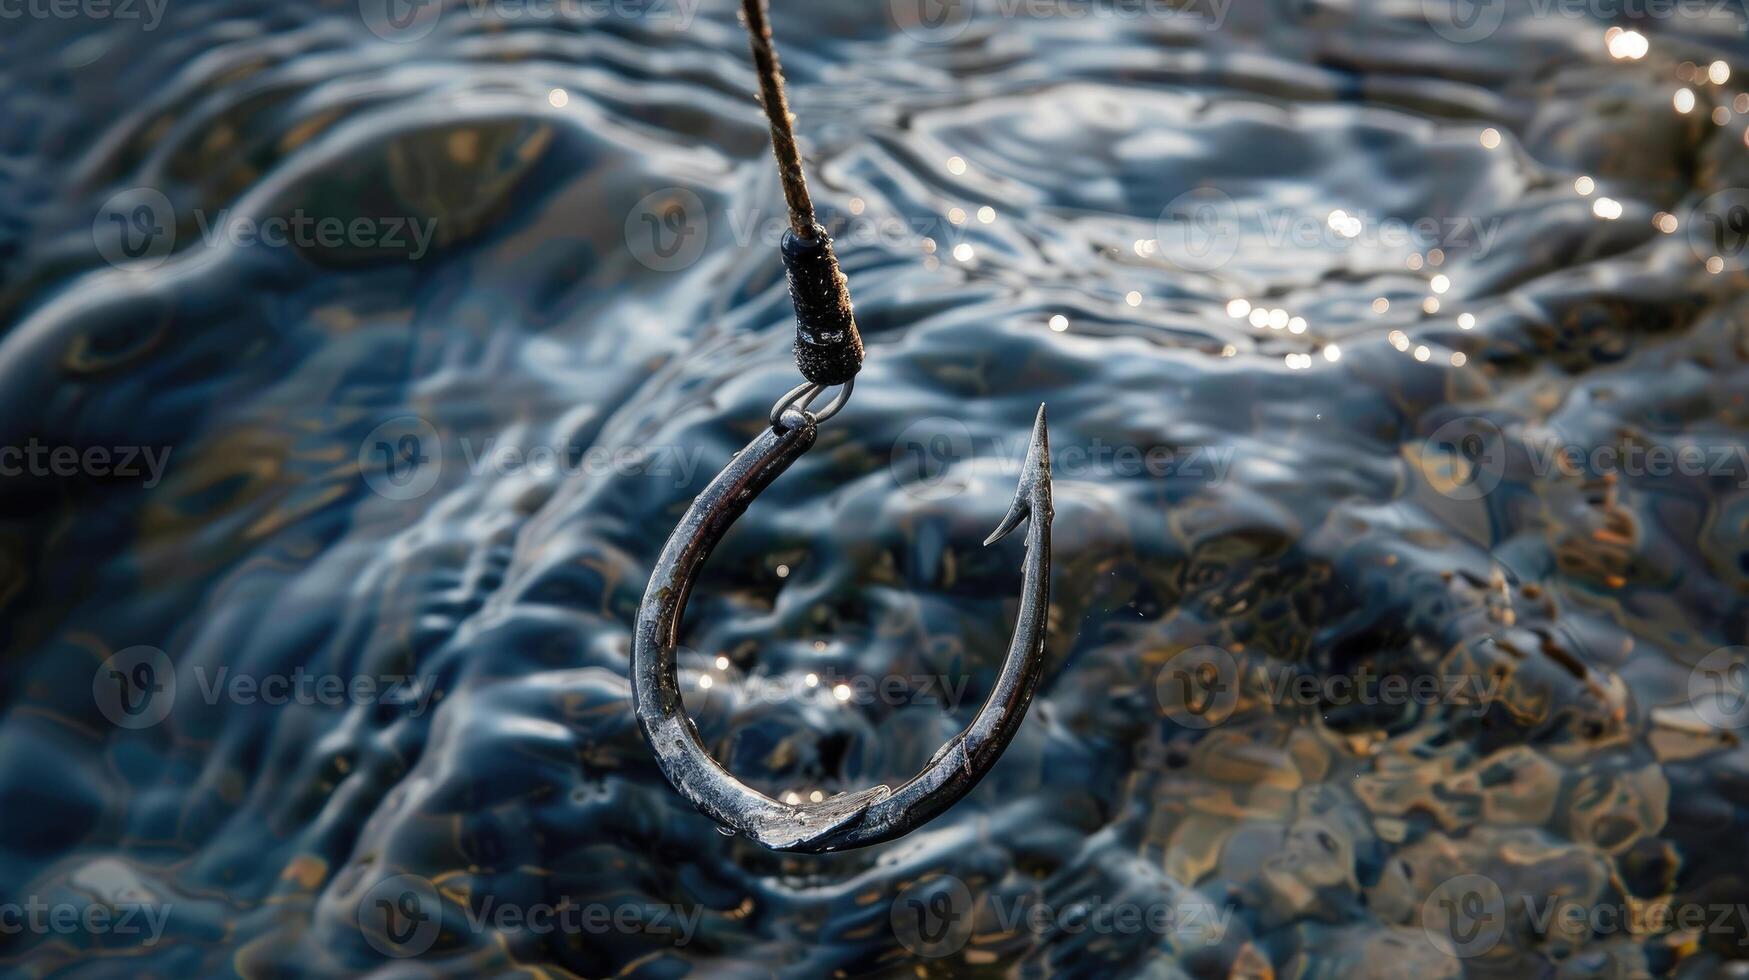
(802, 396)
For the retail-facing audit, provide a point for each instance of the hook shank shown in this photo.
(851, 819)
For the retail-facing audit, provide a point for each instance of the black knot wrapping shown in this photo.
(828, 346)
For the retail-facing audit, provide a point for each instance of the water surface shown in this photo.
(1315, 293)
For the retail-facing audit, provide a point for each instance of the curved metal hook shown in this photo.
(850, 819)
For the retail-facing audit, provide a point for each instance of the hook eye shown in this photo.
(802, 397)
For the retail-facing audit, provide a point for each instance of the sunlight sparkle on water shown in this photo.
(1626, 45)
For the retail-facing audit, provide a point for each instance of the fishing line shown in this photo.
(828, 345)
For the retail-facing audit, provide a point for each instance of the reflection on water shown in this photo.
(1395, 356)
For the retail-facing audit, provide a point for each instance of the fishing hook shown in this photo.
(828, 353)
(850, 819)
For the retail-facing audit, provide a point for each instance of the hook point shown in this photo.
(1034, 474)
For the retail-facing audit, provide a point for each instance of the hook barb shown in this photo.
(1037, 469)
